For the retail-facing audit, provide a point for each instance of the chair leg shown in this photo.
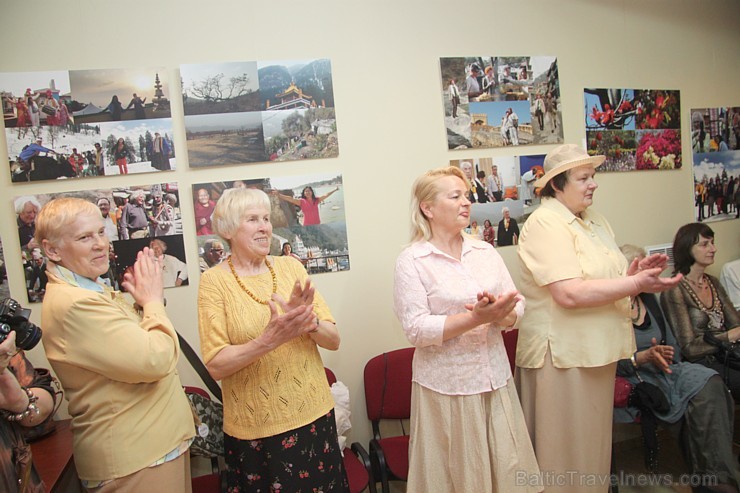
(364, 457)
(381, 468)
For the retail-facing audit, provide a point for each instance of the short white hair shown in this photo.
(230, 208)
(20, 203)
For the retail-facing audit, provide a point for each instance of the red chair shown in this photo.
(388, 396)
(510, 337)
(356, 459)
(622, 389)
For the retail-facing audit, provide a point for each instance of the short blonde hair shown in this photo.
(59, 214)
(425, 189)
(230, 209)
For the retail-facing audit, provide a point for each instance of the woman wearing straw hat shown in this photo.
(577, 324)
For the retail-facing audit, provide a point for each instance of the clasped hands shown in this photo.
(494, 309)
(145, 282)
(297, 317)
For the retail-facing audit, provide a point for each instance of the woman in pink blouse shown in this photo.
(309, 204)
(454, 296)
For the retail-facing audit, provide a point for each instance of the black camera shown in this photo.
(14, 317)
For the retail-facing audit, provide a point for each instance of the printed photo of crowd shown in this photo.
(501, 101)
(77, 124)
(715, 140)
(135, 217)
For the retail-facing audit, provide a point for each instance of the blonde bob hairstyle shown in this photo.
(58, 215)
(425, 189)
(230, 209)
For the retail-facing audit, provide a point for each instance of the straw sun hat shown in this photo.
(565, 157)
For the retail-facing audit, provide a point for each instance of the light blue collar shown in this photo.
(73, 279)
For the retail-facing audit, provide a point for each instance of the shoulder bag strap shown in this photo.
(652, 307)
(200, 368)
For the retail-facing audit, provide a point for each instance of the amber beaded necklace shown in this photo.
(244, 288)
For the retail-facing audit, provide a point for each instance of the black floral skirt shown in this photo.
(304, 460)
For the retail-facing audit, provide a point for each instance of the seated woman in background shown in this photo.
(699, 303)
(701, 409)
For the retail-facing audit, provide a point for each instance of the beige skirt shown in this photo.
(465, 443)
(569, 416)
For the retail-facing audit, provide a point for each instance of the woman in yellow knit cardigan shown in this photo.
(261, 322)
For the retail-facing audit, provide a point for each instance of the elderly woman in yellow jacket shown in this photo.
(131, 421)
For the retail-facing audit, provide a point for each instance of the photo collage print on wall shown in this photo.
(246, 112)
(501, 101)
(636, 129)
(715, 143)
(135, 217)
(87, 123)
(307, 216)
(502, 193)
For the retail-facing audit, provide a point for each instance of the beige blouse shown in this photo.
(556, 245)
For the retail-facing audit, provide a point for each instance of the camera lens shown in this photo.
(4, 331)
(27, 334)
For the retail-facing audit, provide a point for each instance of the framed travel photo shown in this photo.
(492, 101)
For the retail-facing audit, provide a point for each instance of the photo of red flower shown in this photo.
(657, 109)
(658, 149)
(609, 109)
(636, 129)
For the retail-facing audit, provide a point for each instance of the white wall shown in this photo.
(385, 61)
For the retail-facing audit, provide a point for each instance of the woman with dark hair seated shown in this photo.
(699, 304)
(700, 411)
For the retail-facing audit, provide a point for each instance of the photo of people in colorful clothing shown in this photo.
(78, 124)
(134, 217)
(715, 142)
